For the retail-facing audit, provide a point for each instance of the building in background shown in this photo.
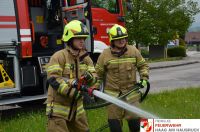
(192, 37)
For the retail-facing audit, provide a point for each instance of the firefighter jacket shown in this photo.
(64, 66)
(119, 71)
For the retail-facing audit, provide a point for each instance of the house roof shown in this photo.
(192, 37)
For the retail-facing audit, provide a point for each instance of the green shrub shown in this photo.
(182, 42)
(145, 53)
(178, 51)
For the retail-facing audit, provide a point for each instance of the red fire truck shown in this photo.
(31, 31)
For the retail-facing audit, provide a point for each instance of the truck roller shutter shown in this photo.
(8, 25)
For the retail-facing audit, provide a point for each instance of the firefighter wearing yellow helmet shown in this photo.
(117, 66)
(117, 32)
(64, 103)
(75, 29)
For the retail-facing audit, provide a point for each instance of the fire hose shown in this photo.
(82, 85)
(112, 100)
(123, 105)
(135, 88)
(120, 103)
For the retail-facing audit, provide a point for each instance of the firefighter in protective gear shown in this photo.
(117, 66)
(64, 103)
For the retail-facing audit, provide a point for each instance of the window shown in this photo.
(110, 5)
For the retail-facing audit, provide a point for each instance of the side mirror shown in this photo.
(129, 6)
(121, 19)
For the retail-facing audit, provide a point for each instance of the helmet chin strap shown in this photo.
(121, 51)
(70, 43)
(120, 48)
(74, 48)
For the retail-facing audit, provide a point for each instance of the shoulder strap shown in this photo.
(83, 56)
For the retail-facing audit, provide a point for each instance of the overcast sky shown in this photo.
(197, 17)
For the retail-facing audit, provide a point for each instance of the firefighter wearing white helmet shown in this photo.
(64, 103)
(117, 66)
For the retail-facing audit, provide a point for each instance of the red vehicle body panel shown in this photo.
(102, 20)
(24, 24)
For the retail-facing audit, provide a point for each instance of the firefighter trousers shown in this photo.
(58, 124)
(116, 114)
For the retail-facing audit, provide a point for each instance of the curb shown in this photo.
(174, 65)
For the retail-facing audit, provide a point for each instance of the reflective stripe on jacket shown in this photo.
(65, 67)
(119, 73)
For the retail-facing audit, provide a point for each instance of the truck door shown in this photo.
(105, 13)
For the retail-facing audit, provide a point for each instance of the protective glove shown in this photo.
(90, 90)
(143, 83)
(74, 83)
(88, 77)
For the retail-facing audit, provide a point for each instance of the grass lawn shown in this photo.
(181, 103)
(164, 59)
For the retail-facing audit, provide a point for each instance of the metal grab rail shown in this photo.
(14, 43)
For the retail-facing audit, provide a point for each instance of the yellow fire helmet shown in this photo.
(74, 29)
(117, 32)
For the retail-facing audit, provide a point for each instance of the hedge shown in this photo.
(178, 51)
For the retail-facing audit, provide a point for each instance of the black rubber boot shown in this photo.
(134, 125)
(115, 125)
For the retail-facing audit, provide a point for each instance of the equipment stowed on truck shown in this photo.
(31, 31)
(5, 81)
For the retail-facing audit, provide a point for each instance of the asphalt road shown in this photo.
(167, 78)
(175, 77)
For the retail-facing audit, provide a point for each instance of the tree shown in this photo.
(156, 21)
